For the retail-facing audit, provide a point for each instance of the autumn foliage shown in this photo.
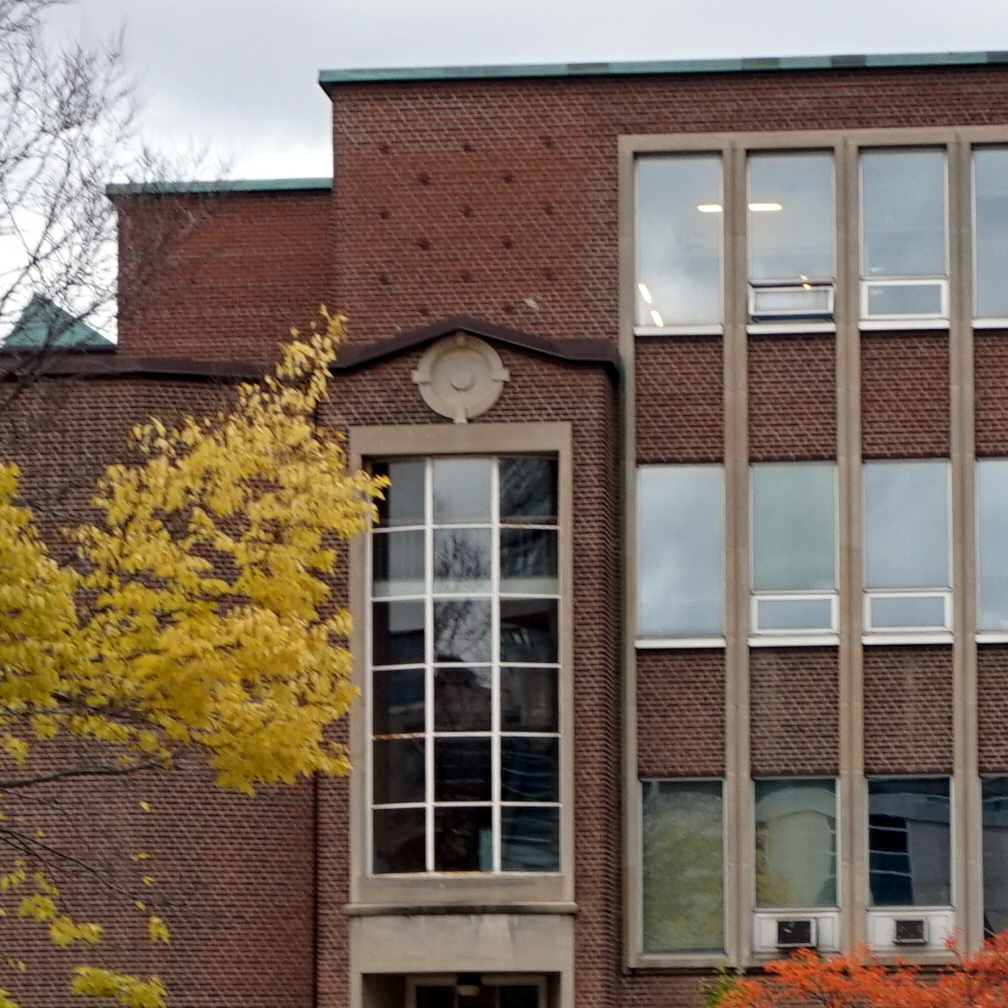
(863, 980)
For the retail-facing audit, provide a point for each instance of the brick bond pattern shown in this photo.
(499, 200)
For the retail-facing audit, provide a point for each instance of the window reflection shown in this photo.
(995, 854)
(992, 543)
(990, 232)
(908, 842)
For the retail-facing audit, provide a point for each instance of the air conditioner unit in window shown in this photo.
(796, 932)
(910, 931)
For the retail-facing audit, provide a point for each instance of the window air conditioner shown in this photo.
(910, 931)
(796, 932)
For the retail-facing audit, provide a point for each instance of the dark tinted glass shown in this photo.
(399, 840)
(528, 561)
(397, 633)
(398, 770)
(528, 491)
(463, 839)
(530, 838)
(462, 631)
(528, 698)
(462, 698)
(528, 630)
(397, 701)
(404, 498)
(529, 768)
(462, 769)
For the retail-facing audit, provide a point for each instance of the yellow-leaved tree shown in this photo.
(198, 619)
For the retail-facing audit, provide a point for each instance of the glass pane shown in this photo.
(397, 701)
(529, 769)
(791, 217)
(794, 614)
(528, 491)
(528, 699)
(908, 842)
(399, 563)
(795, 843)
(530, 838)
(990, 231)
(903, 213)
(398, 770)
(462, 769)
(528, 630)
(679, 225)
(462, 698)
(683, 866)
(905, 299)
(792, 302)
(995, 854)
(680, 551)
(462, 630)
(794, 526)
(528, 561)
(992, 543)
(404, 499)
(461, 490)
(400, 840)
(397, 633)
(463, 839)
(462, 559)
(906, 524)
(898, 611)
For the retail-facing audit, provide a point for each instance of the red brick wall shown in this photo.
(908, 709)
(794, 711)
(992, 707)
(792, 398)
(990, 364)
(224, 277)
(680, 400)
(681, 713)
(904, 395)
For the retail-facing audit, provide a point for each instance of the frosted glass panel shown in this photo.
(680, 551)
(906, 519)
(794, 526)
(990, 180)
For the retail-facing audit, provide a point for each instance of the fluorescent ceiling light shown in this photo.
(709, 207)
(765, 207)
(657, 319)
(644, 292)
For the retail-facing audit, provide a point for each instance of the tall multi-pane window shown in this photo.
(792, 236)
(683, 866)
(904, 225)
(794, 547)
(909, 859)
(906, 545)
(990, 232)
(992, 545)
(680, 551)
(465, 748)
(678, 234)
(795, 843)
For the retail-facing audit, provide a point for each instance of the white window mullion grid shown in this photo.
(429, 662)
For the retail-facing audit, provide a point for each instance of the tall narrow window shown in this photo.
(792, 236)
(992, 544)
(904, 246)
(995, 854)
(909, 860)
(680, 551)
(990, 232)
(906, 548)
(679, 227)
(683, 866)
(795, 843)
(464, 657)
(794, 547)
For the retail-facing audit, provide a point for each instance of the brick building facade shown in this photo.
(683, 636)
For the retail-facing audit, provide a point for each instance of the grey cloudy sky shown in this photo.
(238, 78)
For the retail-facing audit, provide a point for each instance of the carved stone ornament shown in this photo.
(460, 377)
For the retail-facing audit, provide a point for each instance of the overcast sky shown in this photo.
(239, 77)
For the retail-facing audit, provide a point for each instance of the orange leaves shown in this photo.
(863, 980)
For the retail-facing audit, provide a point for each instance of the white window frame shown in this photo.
(495, 734)
(866, 286)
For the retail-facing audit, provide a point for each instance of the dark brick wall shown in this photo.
(794, 711)
(992, 707)
(681, 713)
(908, 710)
(990, 363)
(904, 395)
(792, 398)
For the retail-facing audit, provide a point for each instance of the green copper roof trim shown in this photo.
(733, 65)
(221, 186)
(43, 325)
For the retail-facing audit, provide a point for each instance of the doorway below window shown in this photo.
(472, 990)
